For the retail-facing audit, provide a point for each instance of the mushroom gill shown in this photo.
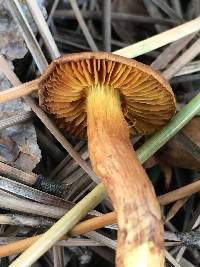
(147, 101)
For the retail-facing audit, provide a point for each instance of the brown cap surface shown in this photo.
(147, 99)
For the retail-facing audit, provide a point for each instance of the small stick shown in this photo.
(58, 256)
(18, 91)
(185, 78)
(177, 7)
(101, 221)
(171, 259)
(37, 181)
(60, 38)
(61, 166)
(171, 52)
(153, 11)
(107, 25)
(50, 147)
(168, 10)
(179, 193)
(28, 35)
(175, 208)
(116, 16)
(83, 26)
(18, 175)
(24, 220)
(181, 61)
(61, 227)
(102, 239)
(23, 205)
(27, 192)
(191, 67)
(43, 28)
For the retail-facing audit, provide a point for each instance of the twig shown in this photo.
(49, 21)
(196, 7)
(52, 149)
(70, 173)
(23, 220)
(65, 161)
(80, 185)
(79, 229)
(179, 193)
(191, 67)
(37, 181)
(185, 78)
(27, 192)
(27, 33)
(180, 253)
(186, 57)
(61, 39)
(171, 244)
(63, 226)
(171, 259)
(22, 90)
(83, 25)
(175, 208)
(177, 7)
(171, 236)
(107, 25)
(186, 263)
(69, 242)
(27, 206)
(69, 14)
(171, 52)
(168, 10)
(103, 220)
(102, 239)
(154, 12)
(20, 176)
(89, 187)
(58, 255)
(78, 242)
(43, 28)
(52, 12)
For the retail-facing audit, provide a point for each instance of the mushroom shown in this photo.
(106, 97)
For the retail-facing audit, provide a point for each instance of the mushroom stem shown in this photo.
(140, 235)
(19, 91)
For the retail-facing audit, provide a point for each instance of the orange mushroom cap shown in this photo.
(147, 100)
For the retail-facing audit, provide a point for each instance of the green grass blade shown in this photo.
(160, 39)
(60, 228)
